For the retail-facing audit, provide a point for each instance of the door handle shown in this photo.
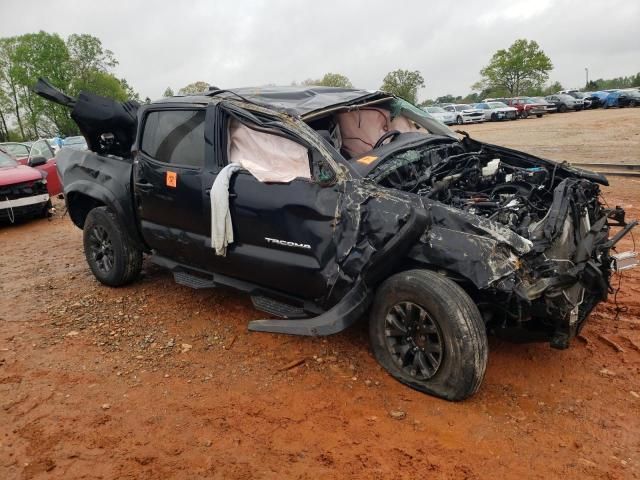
(144, 185)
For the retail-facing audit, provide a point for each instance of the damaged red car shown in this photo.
(23, 190)
(332, 205)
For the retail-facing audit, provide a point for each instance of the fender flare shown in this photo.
(105, 196)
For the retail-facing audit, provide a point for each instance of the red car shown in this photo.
(527, 106)
(23, 190)
(40, 155)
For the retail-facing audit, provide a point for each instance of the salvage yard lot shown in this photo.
(158, 381)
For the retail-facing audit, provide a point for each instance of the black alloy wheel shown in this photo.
(101, 248)
(414, 340)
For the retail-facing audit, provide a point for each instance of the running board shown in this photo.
(352, 306)
(193, 281)
(274, 307)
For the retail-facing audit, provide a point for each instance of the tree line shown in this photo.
(81, 62)
(78, 63)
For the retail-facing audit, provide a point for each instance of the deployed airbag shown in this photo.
(362, 128)
(268, 157)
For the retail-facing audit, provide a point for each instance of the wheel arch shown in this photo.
(82, 196)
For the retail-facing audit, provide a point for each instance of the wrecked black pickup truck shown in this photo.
(326, 204)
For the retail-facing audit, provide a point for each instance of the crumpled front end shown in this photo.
(527, 238)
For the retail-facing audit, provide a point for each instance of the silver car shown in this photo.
(439, 113)
(465, 113)
(494, 111)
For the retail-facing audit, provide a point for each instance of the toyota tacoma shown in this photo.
(344, 204)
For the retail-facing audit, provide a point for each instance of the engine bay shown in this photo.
(502, 189)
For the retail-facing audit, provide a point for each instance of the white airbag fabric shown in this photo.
(362, 128)
(269, 158)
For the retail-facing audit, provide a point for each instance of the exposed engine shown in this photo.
(568, 267)
(480, 183)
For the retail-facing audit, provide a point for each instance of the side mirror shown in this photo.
(36, 161)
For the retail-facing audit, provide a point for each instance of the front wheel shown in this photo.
(524, 114)
(112, 257)
(428, 334)
(459, 120)
(562, 108)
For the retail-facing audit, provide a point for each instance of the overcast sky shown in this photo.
(248, 43)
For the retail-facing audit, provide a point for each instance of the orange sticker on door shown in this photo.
(172, 179)
(367, 160)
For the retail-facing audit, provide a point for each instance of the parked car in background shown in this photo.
(617, 98)
(578, 95)
(76, 143)
(18, 149)
(23, 190)
(465, 113)
(548, 106)
(595, 100)
(439, 113)
(598, 99)
(40, 155)
(526, 107)
(634, 96)
(495, 111)
(564, 102)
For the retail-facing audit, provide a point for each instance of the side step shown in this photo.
(347, 311)
(274, 307)
(193, 281)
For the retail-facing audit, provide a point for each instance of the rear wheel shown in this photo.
(428, 334)
(459, 120)
(632, 103)
(524, 114)
(539, 115)
(112, 256)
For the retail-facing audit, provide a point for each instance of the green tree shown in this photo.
(403, 83)
(9, 85)
(446, 99)
(194, 88)
(37, 54)
(168, 92)
(617, 82)
(79, 63)
(87, 55)
(521, 67)
(330, 80)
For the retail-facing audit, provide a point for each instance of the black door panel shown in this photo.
(297, 217)
(167, 182)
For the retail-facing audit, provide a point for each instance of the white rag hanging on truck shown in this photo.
(221, 227)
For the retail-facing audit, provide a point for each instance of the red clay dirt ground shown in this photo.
(159, 381)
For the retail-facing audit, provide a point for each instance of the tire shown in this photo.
(562, 108)
(539, 115)
(112, 257)
(452, 323)
(494, 117)
(524, 114)
(459, 120)
(632, 103)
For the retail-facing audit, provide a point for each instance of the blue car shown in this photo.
(614, 98)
